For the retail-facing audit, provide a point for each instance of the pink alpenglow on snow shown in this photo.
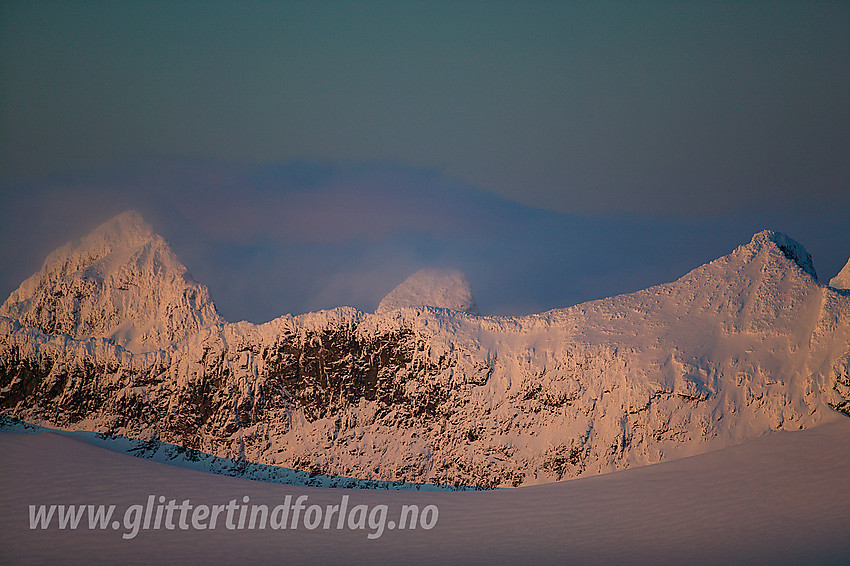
(440, 288)
(842, 280)
(424, 392)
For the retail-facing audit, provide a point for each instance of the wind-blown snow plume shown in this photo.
(120, 282)
(441, 288)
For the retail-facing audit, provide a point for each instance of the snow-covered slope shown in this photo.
(121, 282)
(842, 280)
(779, 500)
(744, 345)
(441, 288)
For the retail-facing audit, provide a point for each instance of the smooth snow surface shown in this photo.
(440, 288)
(842, 280)
(196, 460)
(780, 499)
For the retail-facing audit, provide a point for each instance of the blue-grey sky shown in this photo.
(268, 240)
(565, 138)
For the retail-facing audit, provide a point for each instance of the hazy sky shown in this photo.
(620, 123)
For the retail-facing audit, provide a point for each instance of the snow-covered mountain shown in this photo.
(744, 345)
(120, 282)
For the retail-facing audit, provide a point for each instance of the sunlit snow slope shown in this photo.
(744, 345)
(842, 280)
(121, 282)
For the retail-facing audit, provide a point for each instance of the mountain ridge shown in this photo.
(736, 348)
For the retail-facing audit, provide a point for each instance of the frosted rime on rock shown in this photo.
(744, 345)
(792, 249)
(120, 282)
(441, 288)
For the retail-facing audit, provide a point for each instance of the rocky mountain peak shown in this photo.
(121, 282)
(792, 249)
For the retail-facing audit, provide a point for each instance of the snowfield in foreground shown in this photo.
(780, 499)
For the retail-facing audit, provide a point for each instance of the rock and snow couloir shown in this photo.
(741, 346)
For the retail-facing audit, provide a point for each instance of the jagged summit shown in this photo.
(122, 282)
(792, 249)
(842, 280)
(441, 288)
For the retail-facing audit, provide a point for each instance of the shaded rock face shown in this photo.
(792, 249)
(231, 396)
(746, 344)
